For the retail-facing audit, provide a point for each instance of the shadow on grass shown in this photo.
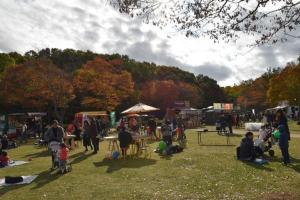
(7, 189)
(45, 178)
(39, 154)
(79, 157)
(115, 165)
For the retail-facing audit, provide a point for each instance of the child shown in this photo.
(63, 157)
(284, 144)
(4, 159)
(86, 138)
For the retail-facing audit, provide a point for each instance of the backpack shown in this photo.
(13, 180)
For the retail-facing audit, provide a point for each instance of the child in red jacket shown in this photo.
(63, 157)
(4, 159)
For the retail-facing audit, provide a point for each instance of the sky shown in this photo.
(94, 25)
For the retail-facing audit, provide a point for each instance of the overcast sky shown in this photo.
(94, 25)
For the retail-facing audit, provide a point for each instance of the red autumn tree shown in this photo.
(164, 93)
(101, 84)
(36, 85)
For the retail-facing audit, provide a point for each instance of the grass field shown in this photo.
(209, 171)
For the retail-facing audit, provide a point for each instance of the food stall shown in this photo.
(82, 116)
(16, 120)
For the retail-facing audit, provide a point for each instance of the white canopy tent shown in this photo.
(140, 108)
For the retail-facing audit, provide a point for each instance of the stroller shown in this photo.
(266, 141)
(64, 166)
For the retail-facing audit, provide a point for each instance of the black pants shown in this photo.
(230, 128)
(95, 142)
(285, 155)
(167, 139)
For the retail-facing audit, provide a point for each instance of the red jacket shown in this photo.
(4, 160)
(63, 154)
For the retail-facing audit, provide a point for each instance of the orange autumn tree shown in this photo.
(102, 85)
(36, 85)
(164, 93)
(286, 85)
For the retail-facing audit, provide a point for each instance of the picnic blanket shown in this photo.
(26, 180)
(14, 163)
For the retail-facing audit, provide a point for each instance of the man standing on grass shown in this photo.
(93, 132)
(284, 144)
(55, 133)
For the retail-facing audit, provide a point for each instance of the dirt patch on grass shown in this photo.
(281, 196)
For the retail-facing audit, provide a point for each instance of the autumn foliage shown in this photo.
(37, 84)
(101, 85)
(164, 93)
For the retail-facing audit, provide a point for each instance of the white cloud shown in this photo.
(93, 25)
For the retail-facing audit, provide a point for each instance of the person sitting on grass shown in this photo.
(4, 159)
(63, 157)
(247, 151)
(284, 144)
(125, 140)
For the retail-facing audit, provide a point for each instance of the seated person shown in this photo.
(125, 140)
(166, 131)
(247, 151)
(4, 159)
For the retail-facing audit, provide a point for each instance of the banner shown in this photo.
(223, 106)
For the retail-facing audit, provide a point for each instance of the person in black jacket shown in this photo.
(284, 144)
(125, 140)
(247, 151)
(281, 119)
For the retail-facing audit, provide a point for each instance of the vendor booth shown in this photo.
(16, 120)
(82, 116)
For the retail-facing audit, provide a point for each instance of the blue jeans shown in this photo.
(285, 155)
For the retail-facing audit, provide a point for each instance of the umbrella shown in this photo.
(140, 108)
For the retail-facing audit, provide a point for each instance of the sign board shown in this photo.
(223, 106)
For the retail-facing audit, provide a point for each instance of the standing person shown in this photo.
(237, 120)
(76, 132)
(166, 131)
(125, 139)
(24, 133)
(55, 133)
(222, 121)
(284, 144)
(86, 138)
(229, 122)
(152, 126)
(281, 119)
(92, 132)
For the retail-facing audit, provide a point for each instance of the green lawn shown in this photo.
(294, 127)
(200, 172)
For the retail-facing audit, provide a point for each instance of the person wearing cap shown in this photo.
(55, 132)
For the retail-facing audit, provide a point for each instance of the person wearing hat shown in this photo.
(55, 132)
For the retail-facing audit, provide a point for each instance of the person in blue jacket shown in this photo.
(284, 144)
